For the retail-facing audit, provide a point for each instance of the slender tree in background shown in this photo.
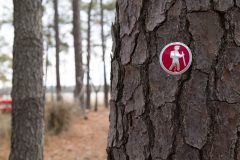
(96, 90)
(103, 54)
(190, 117)
(27, 92)
(57, 47)
(88, 89)
(79, 72)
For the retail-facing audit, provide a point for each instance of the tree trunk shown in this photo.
(27, 92)
(103, 55)
(79, 73)
(89, 55)
(96, 102)
(96, 90)
(156, 116)
(57, 47)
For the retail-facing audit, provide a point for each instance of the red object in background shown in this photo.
(5, 105)
(6, 101)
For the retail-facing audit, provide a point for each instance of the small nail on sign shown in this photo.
(176, 58)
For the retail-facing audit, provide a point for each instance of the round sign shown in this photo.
(176, 58)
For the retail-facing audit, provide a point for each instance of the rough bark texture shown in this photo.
(79, 73)
(57, 47)
(106, 88)
(27, 92)
(195, 116)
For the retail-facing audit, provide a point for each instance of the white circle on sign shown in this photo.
(176, 58)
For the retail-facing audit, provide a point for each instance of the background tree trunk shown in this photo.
(89, 55)
(78, 47)
(103, 55)
(96, 102)
(27, 92)
(57, 47)
(96, 90)
(195, 116)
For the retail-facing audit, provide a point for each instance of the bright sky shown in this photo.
(66, 57)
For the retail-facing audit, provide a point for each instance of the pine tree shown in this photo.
(27, 92)
(194, 116)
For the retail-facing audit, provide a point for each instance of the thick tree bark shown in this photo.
(27, 92)
(57, 47)
(103, 55)
(195, 116)
(89, 55)
(79, 73)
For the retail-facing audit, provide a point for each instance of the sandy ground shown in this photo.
(85, 140)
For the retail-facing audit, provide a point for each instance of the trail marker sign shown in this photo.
(176, 58)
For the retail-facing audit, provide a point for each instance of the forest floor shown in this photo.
(84, 140)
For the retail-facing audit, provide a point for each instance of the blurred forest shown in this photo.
(75, 62)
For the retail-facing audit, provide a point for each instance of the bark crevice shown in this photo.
(237, 145)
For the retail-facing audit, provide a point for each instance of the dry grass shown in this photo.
(69, 137)
(85, 139)
(5, 135)
(57, 116)
(57, 119)
(5, 127)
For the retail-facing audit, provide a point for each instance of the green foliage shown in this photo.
(6, 64)
(84, 5)
(64, 19)
(48, 38)
(4, 58)
(3, 77)
(7, 16)
(110, 6)
(49, 63)
(3, 42)
(64, 46)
